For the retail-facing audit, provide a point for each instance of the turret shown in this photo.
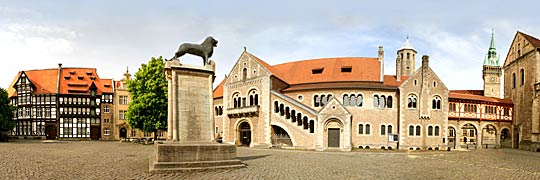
(406, 60)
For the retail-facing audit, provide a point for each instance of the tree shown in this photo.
(148, 108)
(6, 114)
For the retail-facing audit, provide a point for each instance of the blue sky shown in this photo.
(113, 35)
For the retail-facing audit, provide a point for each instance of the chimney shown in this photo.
(59, 77)
(425, 61)
(381, 61)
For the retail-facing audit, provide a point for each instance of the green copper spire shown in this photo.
(491, 58)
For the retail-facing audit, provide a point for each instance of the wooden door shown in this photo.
(333, 137)
(95, 132)
(50, 132)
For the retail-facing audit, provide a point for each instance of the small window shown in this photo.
(300, 97)
(360, 129)
(317, 71)
(80, 77)
(513, 80)
(346, 69)
(368, 129)
(411, 130)
(430, 131)
(436, 130)
(522, 76)
(383, 129)
(418, 129)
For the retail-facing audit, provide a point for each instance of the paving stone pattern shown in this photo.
(114, 160)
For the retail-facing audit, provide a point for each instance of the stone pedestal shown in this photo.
(190, 142)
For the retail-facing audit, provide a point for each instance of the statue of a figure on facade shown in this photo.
(203, 50)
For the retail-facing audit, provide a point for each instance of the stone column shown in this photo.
(174, 101)
(169, 106)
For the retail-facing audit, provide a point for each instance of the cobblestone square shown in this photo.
(114, 160)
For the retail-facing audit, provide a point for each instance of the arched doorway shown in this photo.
(280, 137)
(469, 135)
(244, 132)
(50, 131)
(489, 136)
(506, 138)
(123, 133)
(452, 137)
(333, 133)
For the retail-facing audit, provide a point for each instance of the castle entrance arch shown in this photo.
(333, 129)
(469, 136)
(244, 133)
(452, 137)
(489, 136)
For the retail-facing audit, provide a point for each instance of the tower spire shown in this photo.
(491, 58)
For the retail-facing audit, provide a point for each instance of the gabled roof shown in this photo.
(72, 81)
(218, 92)
(391, 80)
(534, 41)
(476, 95)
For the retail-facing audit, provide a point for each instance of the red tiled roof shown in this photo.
(79, 82)
(300, 72)
(473, 95)
(218, 92)
(534, 41)
(391, 80)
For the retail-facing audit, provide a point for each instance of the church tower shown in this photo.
(406, 60)
(492, 71)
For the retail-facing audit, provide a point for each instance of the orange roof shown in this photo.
(218, 92)
(534, 41)
(300, 72)
(474, 95)
(391, 80)
(72, 80)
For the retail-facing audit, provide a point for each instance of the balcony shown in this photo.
(243, 111)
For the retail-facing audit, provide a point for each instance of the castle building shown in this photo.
(522, 86)
(333, 103)
(480, 118)
(61, 103)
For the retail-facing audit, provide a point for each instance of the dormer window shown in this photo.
(346, 69)
(89, 73)
(80, 77)
(317, 71)
(72, 72)
(67, 77)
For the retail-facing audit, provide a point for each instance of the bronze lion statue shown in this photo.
(204, 50)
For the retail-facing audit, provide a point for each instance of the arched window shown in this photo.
(522, 76)
(436, 103)
(375, 100)
(418, 129)
(316, 101)
(436, 130)
(287, 113)
(360, 129)
(236, 100)
(305, 122)
(383, 129)
(217, 111)
(299, 119)
(382, 102)
(411, 101)
(220, 110)
(276, 107)
(353, 100)
(513, 80)
(430, 131)
(411, 130)
(311, 126)
(389, 102)
(256, 99)
(293, 115)
(389, 129)
(345, 100)
(323, 100)
(251, 100)
(244, 74)
(281, 110)
(328, 98)
(359, 100)
(368, 129)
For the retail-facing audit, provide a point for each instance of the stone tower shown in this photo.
(492, 71)
(406, 60)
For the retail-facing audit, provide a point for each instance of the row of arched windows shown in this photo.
(364, 129)
(432, 132)
(386, 129)
(522, 78)
(413, 99)
(319, 101)
(239, 101)
(417, 131)
(295, 117)
(469, 108)
(353, 100)
(382, 101)
(491, 110)
(218, 110)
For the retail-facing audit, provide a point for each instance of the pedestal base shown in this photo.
(178, 157)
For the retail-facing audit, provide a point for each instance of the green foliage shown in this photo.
(148, 108)
(6, 111)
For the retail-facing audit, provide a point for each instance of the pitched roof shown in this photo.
(72, 81)
(535, 42)
(391, 80)
(301, 72)
(218, 92)
(476, 95)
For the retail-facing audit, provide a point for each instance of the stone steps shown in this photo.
(172, 167)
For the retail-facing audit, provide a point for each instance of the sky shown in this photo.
(114, 35)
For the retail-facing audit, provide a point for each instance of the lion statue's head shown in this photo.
(210, 41)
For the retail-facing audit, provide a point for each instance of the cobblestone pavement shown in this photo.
(114, 160)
